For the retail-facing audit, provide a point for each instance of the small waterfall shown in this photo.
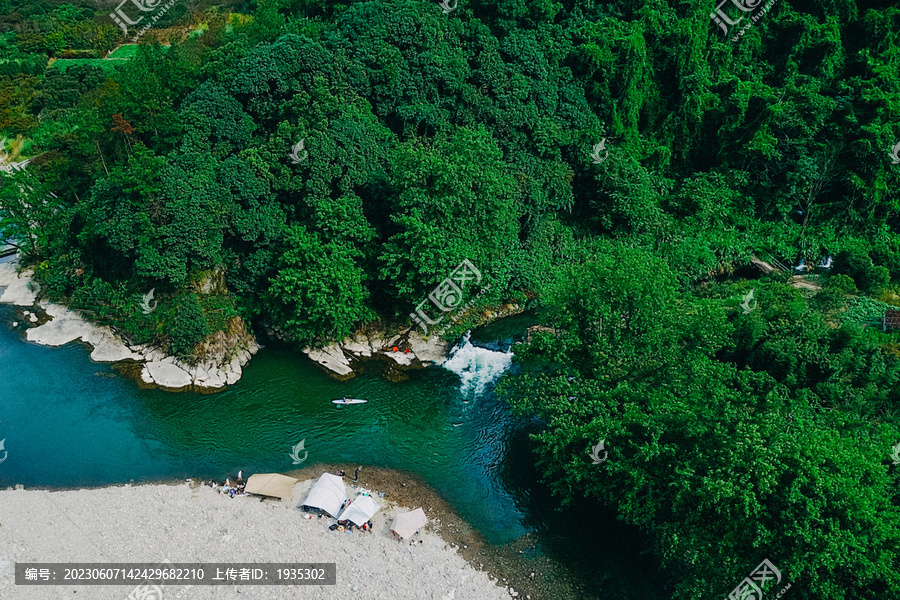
(477, 367)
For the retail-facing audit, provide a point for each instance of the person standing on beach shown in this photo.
(356, 476)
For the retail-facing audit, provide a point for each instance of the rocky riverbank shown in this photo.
(224, 353)
(406, 349)
(401, 351)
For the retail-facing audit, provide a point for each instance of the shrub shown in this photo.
(855, 263)
(188, 326)
(889, 296)
(876, 278)
(217, 310)
(888, 258)
(829, 299)
(841, 283)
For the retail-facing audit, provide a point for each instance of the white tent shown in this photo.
(406, 524)
(271, 484)
(328, 493)
(360, 511)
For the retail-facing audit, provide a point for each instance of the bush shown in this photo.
(189, 325)
(855, 263)
(841, 283)
(889, 296)
(65, 54)
(217, 310)
(888, 258)
(830, 299)
(876, 278)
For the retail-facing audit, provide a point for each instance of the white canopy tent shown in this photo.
(271, 484)
(328, 494)
(406, 524)
(360, 511)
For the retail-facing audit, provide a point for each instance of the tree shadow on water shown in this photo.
(601, 556)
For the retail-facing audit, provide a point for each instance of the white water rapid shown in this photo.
(476, 367)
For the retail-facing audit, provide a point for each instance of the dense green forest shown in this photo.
(432, 137)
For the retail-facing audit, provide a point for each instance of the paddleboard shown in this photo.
(349, 401)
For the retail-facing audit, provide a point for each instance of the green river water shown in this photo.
(70, 422)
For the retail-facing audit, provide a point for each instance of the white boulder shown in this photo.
(167, 374)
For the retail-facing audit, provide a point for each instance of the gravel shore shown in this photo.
(187, 523)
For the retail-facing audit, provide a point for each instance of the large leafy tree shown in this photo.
(454, 201)
(317, 289)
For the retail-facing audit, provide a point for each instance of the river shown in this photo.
(70, 422)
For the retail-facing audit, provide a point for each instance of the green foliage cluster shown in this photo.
(53, 30)
(431, 138)
(865, 310)
(732, 436)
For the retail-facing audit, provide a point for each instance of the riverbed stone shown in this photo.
(358, 345)
(401, 358)
(17, 290)
(428, 350)
(108, 347)
(168, 375)
(153, 355)
(232, 378)
(215, 379)
(331, 357)
(67, 326)
(8, 273)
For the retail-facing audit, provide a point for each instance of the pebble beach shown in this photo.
(188, 522)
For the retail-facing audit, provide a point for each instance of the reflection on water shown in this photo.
(66, 426)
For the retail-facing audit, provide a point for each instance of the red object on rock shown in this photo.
(395, 349)
(406, 351)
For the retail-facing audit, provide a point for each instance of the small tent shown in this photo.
(328, 494)
(406, 524)
(271, 484)
(360, 510)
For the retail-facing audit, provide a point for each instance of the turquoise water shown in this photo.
(70, 422)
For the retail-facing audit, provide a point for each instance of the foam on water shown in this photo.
(477, 367)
